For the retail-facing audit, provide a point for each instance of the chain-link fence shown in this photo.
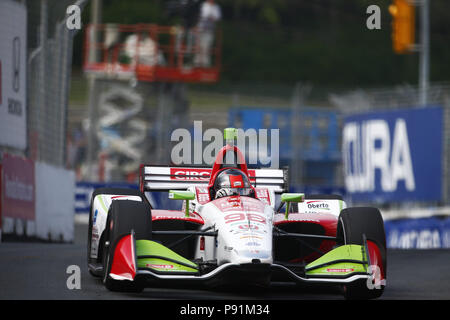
(36, 63)
(49, 67)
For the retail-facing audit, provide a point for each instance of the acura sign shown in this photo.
(394, 155)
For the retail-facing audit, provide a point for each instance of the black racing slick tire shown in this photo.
(108, 191)
(355, 224)
(124, 216)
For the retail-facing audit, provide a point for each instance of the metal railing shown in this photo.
(49, 71)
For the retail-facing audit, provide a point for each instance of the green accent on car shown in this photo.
(341, 205)
(230, 133)
(342, 260)
(182, 195)
(338, 269)
(156, 253)
(102, 203)
(291, 197)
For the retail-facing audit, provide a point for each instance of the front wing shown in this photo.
(150, 260)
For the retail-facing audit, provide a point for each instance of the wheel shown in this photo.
(110, 191)
(124, 216)
(353, 225)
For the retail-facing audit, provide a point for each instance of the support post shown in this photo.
(424, 66)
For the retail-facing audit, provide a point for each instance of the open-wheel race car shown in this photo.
(230, 231)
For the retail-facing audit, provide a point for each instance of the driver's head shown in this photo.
(231, 182)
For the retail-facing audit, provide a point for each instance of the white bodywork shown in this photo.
(320, 206)
(244, 228)
(244, 225)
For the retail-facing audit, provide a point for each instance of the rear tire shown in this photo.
(110, 191)
(123, 217)
(353, 225)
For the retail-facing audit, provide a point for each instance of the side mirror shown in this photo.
(291, 197)
(182, 195)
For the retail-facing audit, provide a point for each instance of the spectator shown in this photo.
(209, 15)
(189, 11)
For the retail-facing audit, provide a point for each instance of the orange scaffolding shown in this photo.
(148, 52)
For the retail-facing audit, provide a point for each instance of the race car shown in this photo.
(231, 231)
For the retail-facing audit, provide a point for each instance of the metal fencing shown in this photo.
(49, 67)
(36, 46)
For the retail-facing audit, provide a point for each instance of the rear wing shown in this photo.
(163, 178)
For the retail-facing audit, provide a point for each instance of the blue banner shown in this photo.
(394, 156)
(422, 233)
(319, 135)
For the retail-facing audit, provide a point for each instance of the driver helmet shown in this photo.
(232, 182)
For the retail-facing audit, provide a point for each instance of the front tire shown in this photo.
(123, 217)
(353, 225)
(107, 191)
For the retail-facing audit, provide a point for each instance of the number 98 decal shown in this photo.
(234, 217)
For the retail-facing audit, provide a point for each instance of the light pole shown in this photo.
(424, 66)
(92, 103)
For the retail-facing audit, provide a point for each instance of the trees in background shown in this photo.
(324, 42)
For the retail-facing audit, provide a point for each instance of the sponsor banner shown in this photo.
(201, 174)
(13, 49)
(394, 155)
(187, 174)
(423, 233)
(310, 206)
(18, 187)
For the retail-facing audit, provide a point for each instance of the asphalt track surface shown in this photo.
(37, 271)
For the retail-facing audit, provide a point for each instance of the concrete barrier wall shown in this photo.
(54, 207)
(55, 203)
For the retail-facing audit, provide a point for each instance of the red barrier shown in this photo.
(1, 199)
(18, 188)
